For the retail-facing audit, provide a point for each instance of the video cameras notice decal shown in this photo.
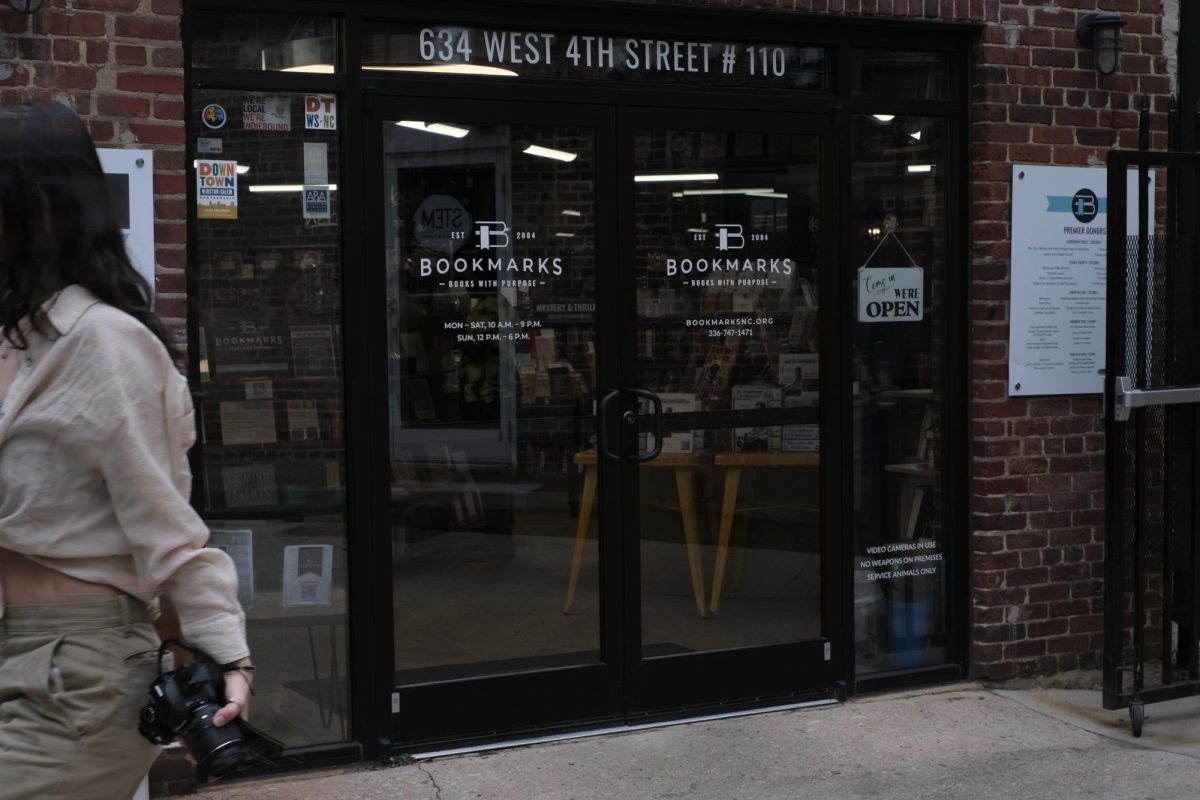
(320, 112)
(891, 294)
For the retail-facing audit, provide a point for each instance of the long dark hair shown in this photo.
(57, 225)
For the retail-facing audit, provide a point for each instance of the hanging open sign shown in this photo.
(891, 294)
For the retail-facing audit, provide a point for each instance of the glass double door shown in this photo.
(604, 413)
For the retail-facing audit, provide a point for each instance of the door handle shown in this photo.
(602, 426)
(656, 403)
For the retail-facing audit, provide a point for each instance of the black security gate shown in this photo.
(1152, 403)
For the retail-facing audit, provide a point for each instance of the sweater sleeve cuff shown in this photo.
(222, 637)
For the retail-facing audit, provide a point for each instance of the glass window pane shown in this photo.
(727, 253)
(458, 50)
(899, 223)
(268, 309)
(491, 273)
(272, 42)
(900, 73)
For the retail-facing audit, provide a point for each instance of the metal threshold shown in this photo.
(605, 731)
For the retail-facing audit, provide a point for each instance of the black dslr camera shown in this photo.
(182, 703)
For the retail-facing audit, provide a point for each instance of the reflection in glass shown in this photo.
(900, 73)
(492, 359)
(269, 394)
(900, 230)
(269, 42)
(727, 254)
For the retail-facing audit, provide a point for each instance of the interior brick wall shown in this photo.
(119, 64)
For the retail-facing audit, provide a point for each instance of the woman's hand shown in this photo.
(237, 692)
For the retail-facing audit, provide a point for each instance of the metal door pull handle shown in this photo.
(1126, 398)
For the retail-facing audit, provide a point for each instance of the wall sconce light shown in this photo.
(1101, 33)
(25, 6)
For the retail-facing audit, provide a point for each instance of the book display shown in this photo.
(268, 290)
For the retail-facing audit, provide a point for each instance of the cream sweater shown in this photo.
(94, 477)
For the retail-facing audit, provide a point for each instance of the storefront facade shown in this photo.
(566, 369)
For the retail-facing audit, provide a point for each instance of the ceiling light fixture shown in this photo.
(549, 152)
(445, 69)
(279, 188)
(677, 177)
(440, 128)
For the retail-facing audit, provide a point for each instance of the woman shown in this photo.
(95, 524)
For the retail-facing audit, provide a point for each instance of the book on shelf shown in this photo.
(803, 330)
(238, 544)
(757, 438)
(926, 434)
(412, 345)
(245, 342)
(303, 421)
(918, 514)
(247, 422)
(712, 377)
(247, 486)
(804, 438)
(800, 377)
(314, 354)
(423, 409)
(678, 403)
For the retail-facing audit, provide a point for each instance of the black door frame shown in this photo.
(687, 683)
(370, 669)
(492, 705)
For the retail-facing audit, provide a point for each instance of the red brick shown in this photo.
(122, 106)
(108, 5)
(150, 82)
(67, 51)
(97, 52)
(147, 28)
(130, 54)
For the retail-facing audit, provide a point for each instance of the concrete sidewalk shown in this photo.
(951, 742)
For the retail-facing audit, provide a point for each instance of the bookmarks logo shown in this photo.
(1085, 205)
(729, 237)
(491, 234)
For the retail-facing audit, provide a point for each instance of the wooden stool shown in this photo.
(685, 487)
(735, 463)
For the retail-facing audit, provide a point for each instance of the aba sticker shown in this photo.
(214, 116)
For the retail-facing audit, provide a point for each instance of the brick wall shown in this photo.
(119, 64)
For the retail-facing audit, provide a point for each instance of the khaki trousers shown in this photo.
(73, 678)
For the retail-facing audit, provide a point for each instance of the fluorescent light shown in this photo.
(242, 169)
(324, 69)
(563, 235)
(678, 177)
(776, 195)
(549, 152)
(272, 188)
(705, 192)
(884, 117)
(570, 212)
(915, 168)
(449, 69)
(440, 128)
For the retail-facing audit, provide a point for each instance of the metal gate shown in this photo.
(1152, 450)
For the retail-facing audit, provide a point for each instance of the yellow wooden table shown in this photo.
(734, 464)
(685, 465)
